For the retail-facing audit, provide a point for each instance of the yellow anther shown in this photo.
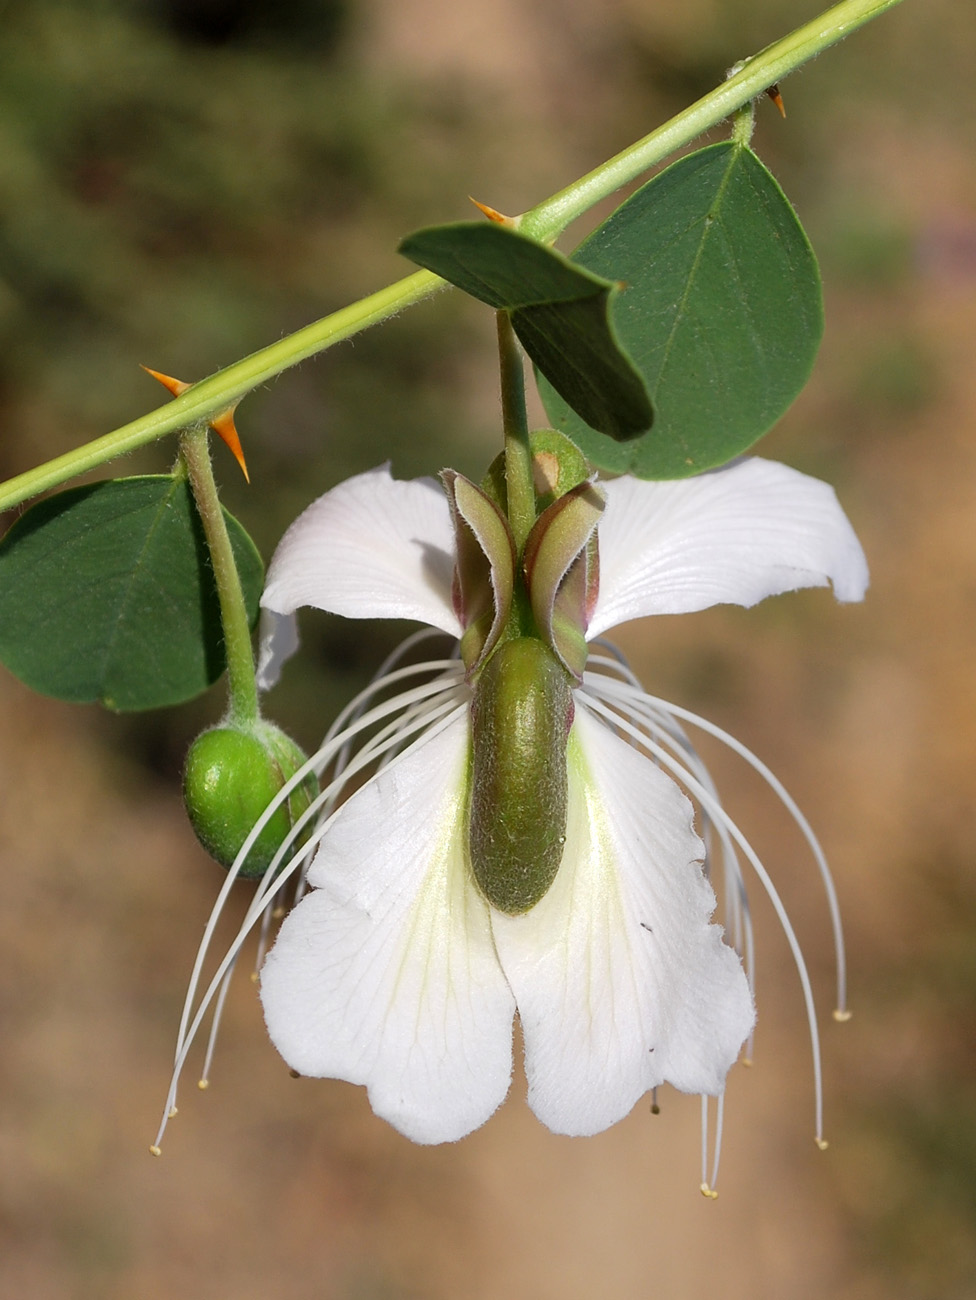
(203, 1084)
(708, 1192)
(155, 1151)
(842, 1015)
(173, 1112)
(822, 1143)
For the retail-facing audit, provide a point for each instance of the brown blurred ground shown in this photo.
(271, 1186)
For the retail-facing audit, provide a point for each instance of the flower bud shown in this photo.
(230, 777)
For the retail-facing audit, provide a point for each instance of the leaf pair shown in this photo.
(696, 303)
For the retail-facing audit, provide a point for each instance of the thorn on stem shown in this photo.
(774, 94)
(222, 425)
(492, 214)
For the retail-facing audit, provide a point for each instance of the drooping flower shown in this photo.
(399, 968)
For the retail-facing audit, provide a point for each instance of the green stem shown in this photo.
(208, 398)
(519, 487)
(544, 222)
(547, 220)
(241, 686)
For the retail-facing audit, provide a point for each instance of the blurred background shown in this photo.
(183, 181)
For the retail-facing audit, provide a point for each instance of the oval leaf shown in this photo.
(559, 312)
(106, 594)
(722, 314)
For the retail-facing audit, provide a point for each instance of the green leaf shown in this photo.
(559, 312)
(722, 313)
(106, 594)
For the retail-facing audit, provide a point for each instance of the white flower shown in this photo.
(394, 971)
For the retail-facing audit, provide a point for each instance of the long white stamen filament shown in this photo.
(204, 1080)
(424, 709)
(604, 711)
(802, 824)
(774, 783)
(708, 1185)
(260, 901)
(275, 877)
(670, 733)
(318, 762)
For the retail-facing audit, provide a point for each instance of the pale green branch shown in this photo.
(544, 222)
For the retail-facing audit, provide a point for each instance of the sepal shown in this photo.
(484, 579)
(561, 572)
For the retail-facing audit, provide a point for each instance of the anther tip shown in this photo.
(747, 1062)
(655, 1109)
(203, 1084)
(709, 1193)
(254, 977)
(822, 1143)
(294, 1074)
(172, 1112)
(842, 1015)
(155, 1151)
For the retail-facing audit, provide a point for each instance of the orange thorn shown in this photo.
(173, 386)
(222, 425)
(492, 214)
(777, 98)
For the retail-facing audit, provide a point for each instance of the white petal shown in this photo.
(373, 547)
(278, 641)
(621, 982)
(386, 974)
(734, 535)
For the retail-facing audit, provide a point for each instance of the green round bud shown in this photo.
(230, 777)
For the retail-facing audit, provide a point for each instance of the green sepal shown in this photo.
(722, 316)
(484, 577)
(559, 311)
(559, 565)
(106, 594)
